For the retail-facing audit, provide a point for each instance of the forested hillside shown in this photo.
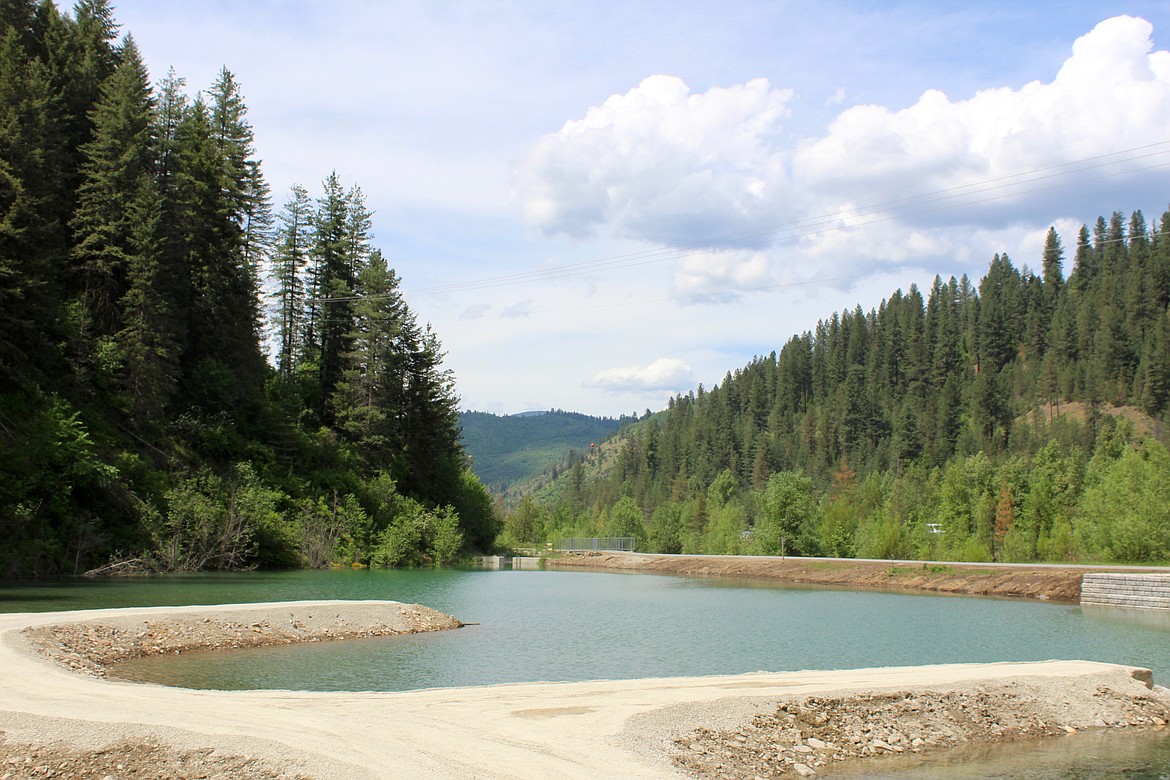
(1017, 419)
(138, 414)
(509, 449)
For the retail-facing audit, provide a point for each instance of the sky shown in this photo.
(600, 205)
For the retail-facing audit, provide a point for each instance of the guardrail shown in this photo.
(608, 543)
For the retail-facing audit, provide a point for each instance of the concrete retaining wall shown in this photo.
(1136, 590)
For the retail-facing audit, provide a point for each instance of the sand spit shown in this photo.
(91, 646)
(55, 722)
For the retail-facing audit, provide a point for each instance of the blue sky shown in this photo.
(598, 205)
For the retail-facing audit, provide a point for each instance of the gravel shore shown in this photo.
(92, 646)
(803, 736)
(59, 719)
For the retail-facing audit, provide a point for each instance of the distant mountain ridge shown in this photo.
(506, 449)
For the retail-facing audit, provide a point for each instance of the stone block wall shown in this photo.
(1134, 590)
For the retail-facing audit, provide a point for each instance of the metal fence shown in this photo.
(618, 543)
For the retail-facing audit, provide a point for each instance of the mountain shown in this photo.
(508, 449)
(1021, 418)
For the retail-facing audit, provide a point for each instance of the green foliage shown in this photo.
(505, 450)
(524, 526)
(975, 422)
(785, 527)
(626, 519)
(1125, 516)
(137, 412)
(418, 536)
(211, 521)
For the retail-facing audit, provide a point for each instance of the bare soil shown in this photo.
(129, 759)
(1044, 583)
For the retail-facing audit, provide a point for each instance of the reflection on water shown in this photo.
(1154, 618)
(1135, 755)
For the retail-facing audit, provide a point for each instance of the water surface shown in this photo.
(549, 626)
(544, 626)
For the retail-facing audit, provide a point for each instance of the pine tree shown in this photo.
(30, 230)
(248, 195)
(330, 312)
(294, 239)
(117, 245)
(367, 402)
(118, 162)
(221, 360)
(1053, 268)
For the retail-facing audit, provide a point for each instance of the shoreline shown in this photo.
(1042, 582)
(646, 728)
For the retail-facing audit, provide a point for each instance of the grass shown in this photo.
(926, 568)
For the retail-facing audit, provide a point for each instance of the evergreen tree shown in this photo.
(30, 231)
(294, 239)
(116, 228)
(118, 165)
(245, 189)
(330, 310)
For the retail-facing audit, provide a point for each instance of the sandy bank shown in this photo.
(1040, 582)
(653, 728)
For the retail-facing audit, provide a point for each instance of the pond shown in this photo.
(572, 626)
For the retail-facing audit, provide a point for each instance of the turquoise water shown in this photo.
(543, 626)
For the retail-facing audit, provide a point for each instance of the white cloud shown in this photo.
(663, 374)
(660, 163)
(1111, 94)
(720, 275)
(881, 186)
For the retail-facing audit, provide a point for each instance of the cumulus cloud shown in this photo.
(670, 166)
(1112, 94)
(663, 374)
(720, 275)
(661, 163)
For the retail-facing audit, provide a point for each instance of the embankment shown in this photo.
(1044, 582)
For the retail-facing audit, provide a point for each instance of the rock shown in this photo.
(803, 771)
(802, 748)
(813, 742)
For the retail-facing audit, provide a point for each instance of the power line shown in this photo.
(818, 224)
(936, 201)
